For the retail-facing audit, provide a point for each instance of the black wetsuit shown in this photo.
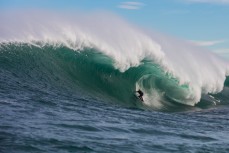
(140, 94)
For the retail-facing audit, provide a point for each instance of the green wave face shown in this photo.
(92, 73)
(226, 83)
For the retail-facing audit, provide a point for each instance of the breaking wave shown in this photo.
(108, 58)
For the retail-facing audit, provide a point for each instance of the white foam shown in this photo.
(126, 44)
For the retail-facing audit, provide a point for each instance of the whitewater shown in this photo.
(67, 84)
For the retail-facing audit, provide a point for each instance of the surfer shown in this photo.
(140, 96)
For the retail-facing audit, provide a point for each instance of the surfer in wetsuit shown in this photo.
(140, 94)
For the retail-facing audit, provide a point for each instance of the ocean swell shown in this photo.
(112, 57)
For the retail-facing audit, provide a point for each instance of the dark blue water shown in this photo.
(38, 122)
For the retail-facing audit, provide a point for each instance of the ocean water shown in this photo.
(68, 86)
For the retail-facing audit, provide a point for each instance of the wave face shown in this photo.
(109, 59)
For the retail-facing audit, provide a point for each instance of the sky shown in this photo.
(204, 22)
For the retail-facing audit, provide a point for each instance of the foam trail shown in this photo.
(124, 43)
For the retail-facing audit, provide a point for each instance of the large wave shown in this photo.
(111, 56)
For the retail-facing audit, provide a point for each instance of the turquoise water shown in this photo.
(55, 99)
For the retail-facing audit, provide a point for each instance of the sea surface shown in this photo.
(66, 86)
